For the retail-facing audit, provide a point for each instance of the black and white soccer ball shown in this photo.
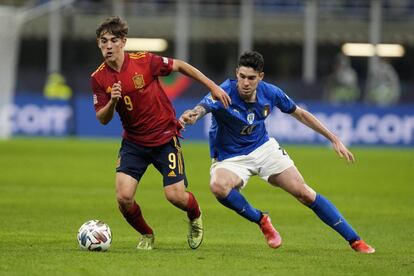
(94, 235)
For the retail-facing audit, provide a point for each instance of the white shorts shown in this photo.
(266, 160)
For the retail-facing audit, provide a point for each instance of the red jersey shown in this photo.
(146, 113)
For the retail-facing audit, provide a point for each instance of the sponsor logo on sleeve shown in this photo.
(210, 99)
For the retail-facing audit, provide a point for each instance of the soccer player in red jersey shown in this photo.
(128, 84)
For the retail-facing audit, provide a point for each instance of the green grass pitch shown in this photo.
(49, 187)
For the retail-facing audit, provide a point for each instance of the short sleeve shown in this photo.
(160, 66)
(283, 101)
(208, 103)
(100, 97)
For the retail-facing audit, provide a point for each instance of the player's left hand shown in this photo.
(218, 94)
(343, 151)
(189, 117)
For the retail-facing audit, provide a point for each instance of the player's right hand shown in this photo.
(116, 92)
(343, 151)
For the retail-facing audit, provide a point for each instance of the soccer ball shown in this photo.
(94, 235)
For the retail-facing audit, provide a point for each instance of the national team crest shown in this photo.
(266, 110)
(250, 118)
(210, 98)
(138, 81)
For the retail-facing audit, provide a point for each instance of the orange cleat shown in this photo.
(363, 247)
(274, 240)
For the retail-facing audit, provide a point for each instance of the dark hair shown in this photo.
(113, 25)
(252, 59)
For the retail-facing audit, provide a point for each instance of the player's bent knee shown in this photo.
(177, 198)
(173, 198)
(219, 189)
(306, 197)
(124, 198)
(124, 204)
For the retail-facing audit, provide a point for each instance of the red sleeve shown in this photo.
(100, 97)
(160, 66)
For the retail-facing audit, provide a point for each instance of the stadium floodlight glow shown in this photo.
(146, 44)
(369, 50)
(358, 49)
(390, 50)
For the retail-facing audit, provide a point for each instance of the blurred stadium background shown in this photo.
(48, 52)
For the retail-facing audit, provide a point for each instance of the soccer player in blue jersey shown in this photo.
(241, 147)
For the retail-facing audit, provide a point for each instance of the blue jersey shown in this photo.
(240, 129)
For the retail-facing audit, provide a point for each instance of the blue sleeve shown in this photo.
(283, 102)
(208, 103)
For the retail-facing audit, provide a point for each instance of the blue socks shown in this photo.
(322, 207)
(236, 201)
(328, 213)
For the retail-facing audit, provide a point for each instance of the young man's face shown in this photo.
(112, 47)
(247, 81)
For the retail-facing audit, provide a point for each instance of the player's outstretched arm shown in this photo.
(191, 116)
(311, 121)
(192, 72)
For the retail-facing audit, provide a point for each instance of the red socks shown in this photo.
(193, 210)
(135, 219)
(134, 215)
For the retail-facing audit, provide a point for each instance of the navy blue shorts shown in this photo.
(134, 159)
